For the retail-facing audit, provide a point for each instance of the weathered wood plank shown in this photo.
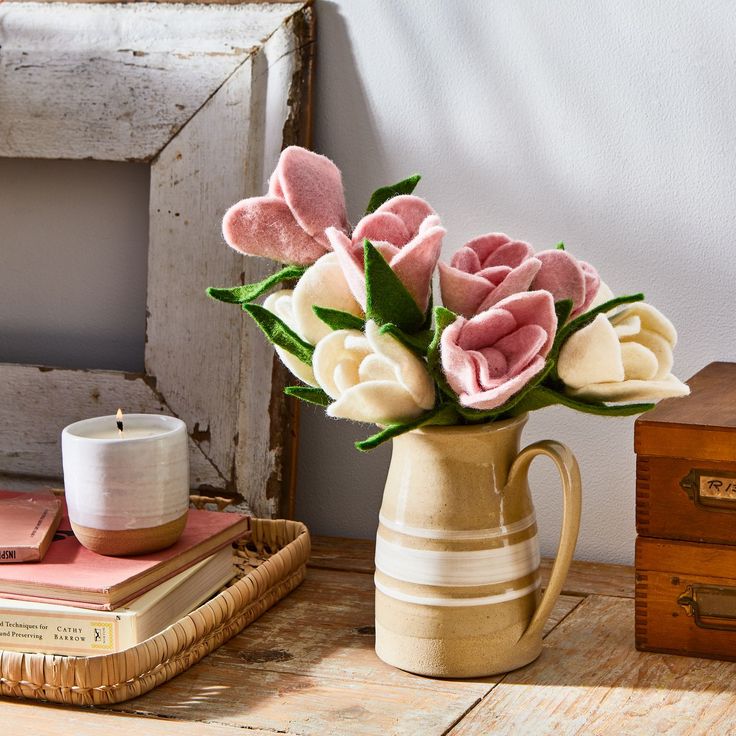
(47, 720)
(304, 704)
(584, 578)
(590, 679)
(341, 553)
(286, 639)
(37, 403)
(117, 82)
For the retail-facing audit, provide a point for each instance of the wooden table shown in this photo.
(308, 667)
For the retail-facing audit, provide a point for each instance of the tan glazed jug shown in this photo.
(457, 557)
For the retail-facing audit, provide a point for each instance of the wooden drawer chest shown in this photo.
(686, 520)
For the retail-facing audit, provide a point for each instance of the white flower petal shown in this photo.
(640, 363)
(591, 355)
(323, 284)
(331, 351)
(378, 368)
(659, 347)
(603, 295)
(651, 319)
(633, 391)
(280, 303)
(379, 402)
(410, 369)
(627, 327)
(301, 370)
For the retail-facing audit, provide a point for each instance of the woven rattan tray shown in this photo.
(271, 560)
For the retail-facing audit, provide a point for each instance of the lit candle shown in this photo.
(126, 481)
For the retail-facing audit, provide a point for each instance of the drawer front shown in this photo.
(686, 615)
(678, 498)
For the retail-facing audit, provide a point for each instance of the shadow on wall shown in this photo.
(332, 475)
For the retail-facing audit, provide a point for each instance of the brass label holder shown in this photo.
(712, 606)
(711, 489)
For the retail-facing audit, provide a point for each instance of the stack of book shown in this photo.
(76, 602)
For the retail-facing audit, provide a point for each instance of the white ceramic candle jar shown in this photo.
(127, 491)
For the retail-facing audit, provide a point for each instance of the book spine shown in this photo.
(63, 633)
(19, 554)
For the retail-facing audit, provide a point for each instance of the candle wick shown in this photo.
(120, 425)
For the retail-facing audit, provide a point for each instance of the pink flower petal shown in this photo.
(311, 185)
(414, 264)
(382, 226)
(485, 245)
(562, 276)
(466, 259)
(533, 308)
(412, 210)
(486, 329)
(521, 346)
(495, 397)
(462, 292)
(265, 226)
(350, 259)
(511, 254)
(518, 280)
(592, 284)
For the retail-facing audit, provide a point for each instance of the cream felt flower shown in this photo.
(372, 377)
(323, 285)
(622, 358)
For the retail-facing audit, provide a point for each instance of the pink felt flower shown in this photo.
(489, 358)
(408, 234)
(305, 197)
(567, 278)
(485, 271)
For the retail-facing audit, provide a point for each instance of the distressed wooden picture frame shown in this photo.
(208, 95)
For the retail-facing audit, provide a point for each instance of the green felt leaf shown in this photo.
(405, 186)
(587, 317)
(418, 342)
(336, 319)
(443, 317)
(248, 292)
(544, 396)
(560, 246)
(310, 394)
(279, 333)
(563, 309)
(387, 299)
(395, 429)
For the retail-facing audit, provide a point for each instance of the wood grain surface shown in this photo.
(308, 667)
(591, 680)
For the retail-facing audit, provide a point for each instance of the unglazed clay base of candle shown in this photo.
(130, 541)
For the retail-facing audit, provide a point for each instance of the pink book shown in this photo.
(70, 574)
(27, 524)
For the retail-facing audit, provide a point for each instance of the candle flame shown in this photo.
(119, 420)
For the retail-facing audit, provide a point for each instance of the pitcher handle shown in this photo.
(569, 471)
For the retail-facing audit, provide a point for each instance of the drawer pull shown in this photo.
(712, 489)
(712, 606)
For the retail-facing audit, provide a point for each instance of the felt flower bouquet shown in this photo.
(518, 330)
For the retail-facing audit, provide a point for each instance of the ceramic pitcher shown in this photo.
(457, 557)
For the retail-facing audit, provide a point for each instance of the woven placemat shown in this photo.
(271, 559)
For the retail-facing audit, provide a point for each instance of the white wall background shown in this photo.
(610, 126)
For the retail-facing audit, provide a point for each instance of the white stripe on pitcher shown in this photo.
(486, 600)
(462, 569)
(471, 534)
